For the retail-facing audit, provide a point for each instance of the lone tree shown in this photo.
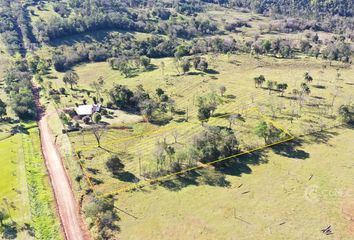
(114, 164)
(207, 105)
(267, 132)
(233, 118)
(346, 113)
(282, 87)
(145, 62)
(2, 109)
(270, 85)
(222, 90)
(98, 131)
(104, 216)
(186, 66)
(305, 89)
(204, 113)
(96, 117)
(258, 81)
(308, 77)
(71, 78)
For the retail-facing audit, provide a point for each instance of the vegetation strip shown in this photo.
(44, 221)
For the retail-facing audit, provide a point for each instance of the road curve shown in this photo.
(73, 226)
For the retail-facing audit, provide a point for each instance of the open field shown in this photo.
(294, 195)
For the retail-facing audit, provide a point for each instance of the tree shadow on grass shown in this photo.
(203, 176)
(216, 176)
(290, 150)
(211, 71)
(321, 136)
(240, 165)
(126, 177)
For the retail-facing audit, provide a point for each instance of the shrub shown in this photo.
(96, 117)
(86, 119)
(62, 90)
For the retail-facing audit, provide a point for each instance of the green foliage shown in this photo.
(186, 65)
(268, 132)
(145, 61)
(121, 96)
(71, 78)
(96, 117)
(346, 113)
(114, 164)
(2, 109)
(215, 142)
(282, 87)
(258, 81)
(103, 217)
(207, 105)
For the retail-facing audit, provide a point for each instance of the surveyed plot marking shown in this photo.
(165, 177)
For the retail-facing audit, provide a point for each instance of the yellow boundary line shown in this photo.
(144, 183)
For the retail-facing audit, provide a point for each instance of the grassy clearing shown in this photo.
(274, 201)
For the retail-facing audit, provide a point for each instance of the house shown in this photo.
(87, 110)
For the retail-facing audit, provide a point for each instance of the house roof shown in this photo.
(84, 110)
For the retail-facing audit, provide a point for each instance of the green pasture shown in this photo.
(291, 191)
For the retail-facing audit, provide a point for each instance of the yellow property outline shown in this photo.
(146, 182)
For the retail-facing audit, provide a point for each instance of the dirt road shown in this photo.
(68, 209)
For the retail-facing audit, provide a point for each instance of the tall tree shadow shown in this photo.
(240, 165)
(197, 177)
(321, 136)
(290, 150)
(126, 177)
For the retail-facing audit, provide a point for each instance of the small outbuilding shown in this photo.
(87, 110)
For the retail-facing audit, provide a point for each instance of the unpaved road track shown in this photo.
(74, 228)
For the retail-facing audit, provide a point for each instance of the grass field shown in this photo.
(290, 197)
(237, 74)
(13, 185)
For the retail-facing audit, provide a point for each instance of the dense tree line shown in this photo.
(319, 8)
(74, 18)
(125, 47)
(19, 89)
(15, 28)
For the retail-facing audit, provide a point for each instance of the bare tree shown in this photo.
(162, 66)
(175, 135)
(98, 131)
(335, 94)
